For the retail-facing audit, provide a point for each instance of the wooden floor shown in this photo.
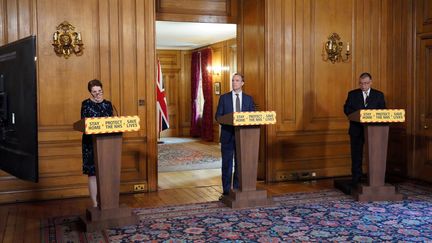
(20, 222)
(192, 178)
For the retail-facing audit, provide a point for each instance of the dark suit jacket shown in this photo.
(225, 106)
(355, 102)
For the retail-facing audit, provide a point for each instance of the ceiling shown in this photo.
(187, 36)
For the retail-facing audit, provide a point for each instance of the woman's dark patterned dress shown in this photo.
(92, 109)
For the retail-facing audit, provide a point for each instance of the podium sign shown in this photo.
(379, 116)
(254, 118)
(100, 125)
(249, 118)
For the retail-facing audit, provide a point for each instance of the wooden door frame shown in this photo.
(258, 16)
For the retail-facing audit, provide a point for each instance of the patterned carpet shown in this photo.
(179, 154)
(319, 216)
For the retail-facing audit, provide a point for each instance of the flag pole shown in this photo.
(160, 141)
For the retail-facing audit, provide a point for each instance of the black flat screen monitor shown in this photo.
(18, 109)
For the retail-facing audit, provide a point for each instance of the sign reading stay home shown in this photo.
(111, 124)
(387, 115)
(254, 118)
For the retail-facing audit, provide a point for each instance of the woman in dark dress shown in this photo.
(95, 106)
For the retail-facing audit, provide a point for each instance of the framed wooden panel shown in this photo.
(210, 11)
(424, 16)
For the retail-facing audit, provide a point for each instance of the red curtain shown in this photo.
(207, 86)
(195, 130)
(202, 127)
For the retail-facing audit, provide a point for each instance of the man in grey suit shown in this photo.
(234, 101)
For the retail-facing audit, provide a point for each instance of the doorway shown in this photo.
(185, 159)
(422, 167)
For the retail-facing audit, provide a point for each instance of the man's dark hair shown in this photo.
(238, 74)
(365, 75)
(93, 83)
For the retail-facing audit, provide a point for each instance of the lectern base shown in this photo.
(377, 193)
(245, 199)
(96, 219)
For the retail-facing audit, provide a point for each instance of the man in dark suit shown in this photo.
(363, 98)
(234, 101)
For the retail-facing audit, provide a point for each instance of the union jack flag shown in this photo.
(162, 107)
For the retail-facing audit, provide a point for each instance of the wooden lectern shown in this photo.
(376, 130)
(107, 144)
(247, 136)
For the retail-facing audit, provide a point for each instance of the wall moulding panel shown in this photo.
(210, 11)
(424, 16)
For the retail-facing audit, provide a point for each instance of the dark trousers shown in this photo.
(357, 143)
(228, 155)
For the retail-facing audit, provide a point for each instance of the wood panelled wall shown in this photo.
(251, 63)
(422, 127)
(279, 48)
(212, 11)
(224, 54)
(176, 71)
(399, 86)
(118, 38)
(185, 93)
(308, 93)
